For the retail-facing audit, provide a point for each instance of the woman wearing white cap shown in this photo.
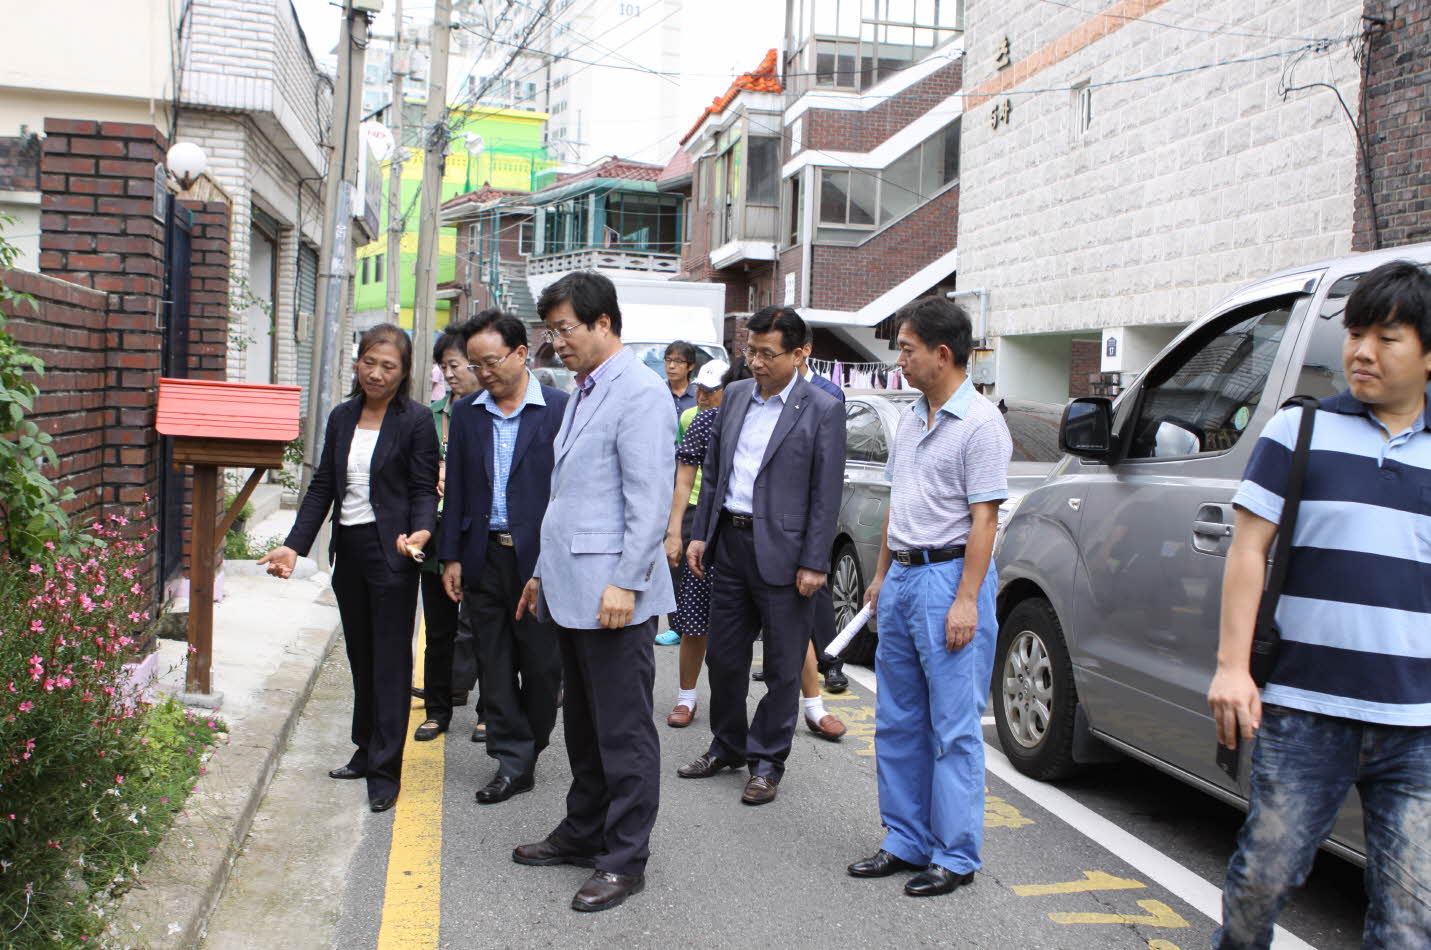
(693, 593)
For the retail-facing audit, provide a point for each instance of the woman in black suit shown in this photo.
(378, 474)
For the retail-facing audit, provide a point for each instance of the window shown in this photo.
(1322, 374)
(853, 198)
(1082, 108)
(379, 275)
(365, 272)
(764, 169)
(526, 237)
(865, 439)
(856, 43)
(794, 210)
(1202, 396)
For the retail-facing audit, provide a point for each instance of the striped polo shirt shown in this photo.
(1355, 614)
(938, 472)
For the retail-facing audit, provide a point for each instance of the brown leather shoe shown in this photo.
(681, 716)
(706, 766)
(548, 852)
(605, 889)
(760, 790)
(827, 728)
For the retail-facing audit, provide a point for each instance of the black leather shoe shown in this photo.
(382, 802)
(503, 787)
(758, 675)
(479, 732)
(835, 679)
(935, 880)
(429, 730)
(881, 864)
(549, 852)
(346, 771)
(760, 790)
(706, 766)
(604, 890)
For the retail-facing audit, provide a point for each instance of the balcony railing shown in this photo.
(601, 258)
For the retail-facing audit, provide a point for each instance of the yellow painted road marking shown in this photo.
(1158, 915)
(412, 900)
(1162, 945)
(1092, 881)
(999, 813)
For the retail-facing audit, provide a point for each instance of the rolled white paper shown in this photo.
(837, 646)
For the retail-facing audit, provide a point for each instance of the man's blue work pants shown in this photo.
(929, 744)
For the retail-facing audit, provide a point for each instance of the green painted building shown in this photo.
(511, 157)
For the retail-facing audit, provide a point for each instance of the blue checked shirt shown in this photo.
(504, 443)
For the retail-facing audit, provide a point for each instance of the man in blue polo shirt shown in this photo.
(1349, 698)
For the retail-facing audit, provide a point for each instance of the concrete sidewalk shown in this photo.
(270, 639)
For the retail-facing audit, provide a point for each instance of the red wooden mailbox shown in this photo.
(220, 425)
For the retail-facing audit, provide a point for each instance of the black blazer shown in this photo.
(467, 506)
(403, 486)
(799, 486)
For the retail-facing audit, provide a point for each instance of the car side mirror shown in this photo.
(1087, 428)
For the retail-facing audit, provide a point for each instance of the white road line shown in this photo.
(1202, 895)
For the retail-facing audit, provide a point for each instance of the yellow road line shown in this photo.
(412, 900)
(1092, 881)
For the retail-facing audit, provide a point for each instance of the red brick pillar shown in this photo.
(98, 229)
(208, 289)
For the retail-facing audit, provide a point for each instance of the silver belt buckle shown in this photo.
(903, 557)
(504, 538)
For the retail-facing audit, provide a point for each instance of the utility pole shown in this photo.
(338, 189)
(395, 216)
(434, 137)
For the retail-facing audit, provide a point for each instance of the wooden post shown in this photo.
(201, 579)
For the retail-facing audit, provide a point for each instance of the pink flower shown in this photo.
(26, 706)
(119, 780)
(36, 569)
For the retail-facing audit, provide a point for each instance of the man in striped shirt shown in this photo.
(1349, 698)
(934, 590)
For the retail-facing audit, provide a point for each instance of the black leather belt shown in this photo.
(917, 557)
(744, 522)
(504, 538)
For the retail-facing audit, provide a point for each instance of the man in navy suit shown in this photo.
(499, 466)
(776, 466)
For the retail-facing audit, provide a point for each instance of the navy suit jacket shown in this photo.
(828, 385)
(403, 483)
(467, 505)
(798, 489)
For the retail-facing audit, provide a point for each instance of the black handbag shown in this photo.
(1266, 637)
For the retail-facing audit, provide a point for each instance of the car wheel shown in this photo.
(847, 587)
(1034, 695)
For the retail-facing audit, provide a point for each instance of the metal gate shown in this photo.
(174, 363)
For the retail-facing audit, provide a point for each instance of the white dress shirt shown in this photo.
(760, 420)
(357, 503)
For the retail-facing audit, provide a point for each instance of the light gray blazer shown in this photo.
(611, 497)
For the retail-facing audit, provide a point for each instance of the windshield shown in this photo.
(654, 355)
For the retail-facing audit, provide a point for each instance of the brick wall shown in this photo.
(97, 324)
(847, 278)
(67, 329)
(20, 163)
(1396, 124)
(1085, 357)
(861, 131)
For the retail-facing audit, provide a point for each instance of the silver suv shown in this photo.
(1110, 573)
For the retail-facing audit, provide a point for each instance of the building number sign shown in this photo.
(1002, 57)
(1000, 113)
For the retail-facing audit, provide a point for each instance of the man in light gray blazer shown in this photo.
(602, 577)
(774, 474)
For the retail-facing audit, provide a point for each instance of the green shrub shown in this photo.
(90, 775)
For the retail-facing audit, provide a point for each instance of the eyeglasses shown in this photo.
(563, 332)
(490, 363)
(765, 356)
(677, 361)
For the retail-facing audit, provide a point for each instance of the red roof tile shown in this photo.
(762, 78)
(208, 409)
(678, 166)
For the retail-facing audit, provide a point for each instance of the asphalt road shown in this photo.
(1121, 857)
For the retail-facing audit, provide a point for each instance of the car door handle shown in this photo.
(1212, 529)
